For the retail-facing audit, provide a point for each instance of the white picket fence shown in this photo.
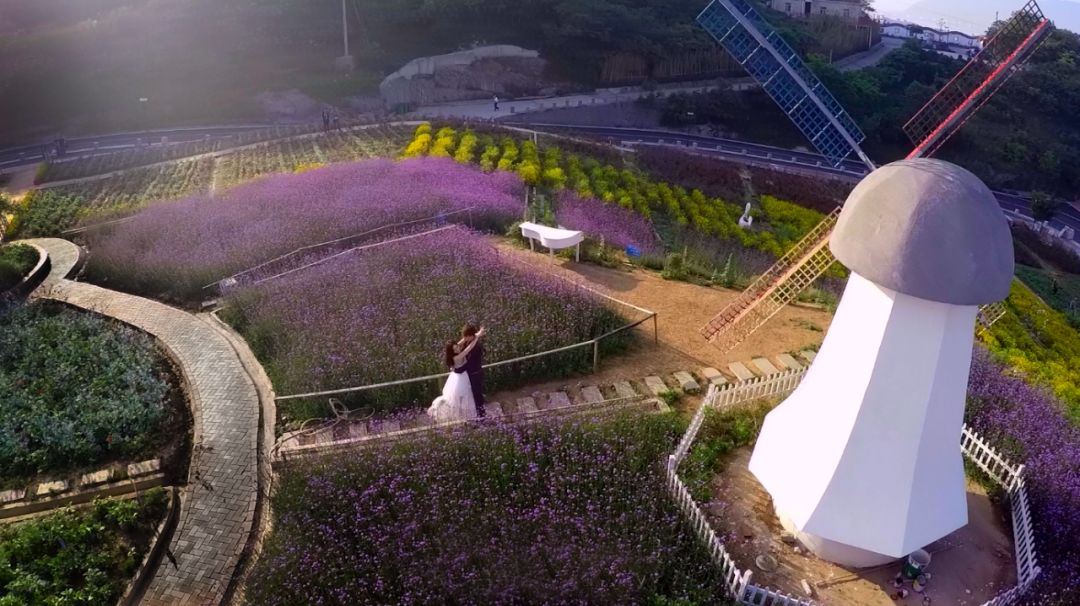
(737, 581)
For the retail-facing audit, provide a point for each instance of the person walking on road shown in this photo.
(495, 99)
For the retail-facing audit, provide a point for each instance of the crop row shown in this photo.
(89, 165)
(779, 223)
(298, 154)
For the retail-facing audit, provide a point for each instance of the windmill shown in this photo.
(736, 26)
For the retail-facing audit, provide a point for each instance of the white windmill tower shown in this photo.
(862, 460)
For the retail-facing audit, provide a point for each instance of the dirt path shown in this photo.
(684, 308)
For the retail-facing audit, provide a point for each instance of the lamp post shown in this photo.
(345, 62)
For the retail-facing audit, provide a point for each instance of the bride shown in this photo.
(456, 402)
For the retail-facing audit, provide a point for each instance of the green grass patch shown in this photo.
(83, 556)
(16, 261)
(1040, 342)
(75, 390)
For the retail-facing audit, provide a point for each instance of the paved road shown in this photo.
(773, 157)
(104, 144)
(869, 58)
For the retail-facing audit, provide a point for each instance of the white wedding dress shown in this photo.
(456, 402)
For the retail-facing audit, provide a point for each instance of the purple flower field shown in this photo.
(174, 249)
(571, 512)
(385, 313)
(618, 226)
(1029, 427)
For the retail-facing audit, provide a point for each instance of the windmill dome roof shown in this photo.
(928, 229)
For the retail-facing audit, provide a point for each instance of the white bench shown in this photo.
(554, 238)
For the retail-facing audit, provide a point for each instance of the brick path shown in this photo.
(218, 504)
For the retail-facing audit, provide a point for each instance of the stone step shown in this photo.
(528, 404)
(740, 371)
(358, 430)
(808, 355)
(656, 385)
(418, 421)
(789, 361)
(341, 431)
(687, 382)
(493, 409)
(714, 377)
(590, 394)
(765, 366)
(623, 389)
(558, 399)
(384, 426)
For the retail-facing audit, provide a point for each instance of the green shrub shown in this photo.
(41, 174)
(78, 556)
(509, 155)
(670, 397)
(489, 158)
(675, 267)
(75, 390)
(466, 148)
(16, 261)
(47, 212)
(721, 433)
(1039, 342)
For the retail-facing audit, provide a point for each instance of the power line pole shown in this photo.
(345, 62)
(345, 26)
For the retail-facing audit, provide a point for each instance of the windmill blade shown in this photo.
(780, 285)
(737, 27)
(973, 85)
(783, 75)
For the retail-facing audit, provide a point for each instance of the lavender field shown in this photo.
(172, 250)
(385, 313)
(1030, 427)
(572, 512)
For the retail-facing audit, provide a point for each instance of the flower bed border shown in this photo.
(1008, 476)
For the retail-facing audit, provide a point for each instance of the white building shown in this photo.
(931, 35)
(805, 9)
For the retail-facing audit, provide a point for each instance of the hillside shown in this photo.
(80, 66)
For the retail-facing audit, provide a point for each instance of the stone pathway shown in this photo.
(346, 433)
(218, 504)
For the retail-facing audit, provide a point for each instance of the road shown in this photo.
(13, 157)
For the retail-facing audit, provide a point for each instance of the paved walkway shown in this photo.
(219, 501)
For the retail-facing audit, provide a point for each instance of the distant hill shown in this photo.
(974, 16)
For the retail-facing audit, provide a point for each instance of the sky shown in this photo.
(973, 16)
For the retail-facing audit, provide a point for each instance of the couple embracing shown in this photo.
(463, 395)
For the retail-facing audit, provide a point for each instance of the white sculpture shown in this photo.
(745, 221)
(863, 460)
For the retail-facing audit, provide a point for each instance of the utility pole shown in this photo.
(345, 26)
(345, 61)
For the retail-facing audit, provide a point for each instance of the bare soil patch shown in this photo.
(683, 310)
(968, 567)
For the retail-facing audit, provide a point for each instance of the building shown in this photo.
(931, 35)
(804, 9)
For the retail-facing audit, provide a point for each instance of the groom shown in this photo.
(474, 366)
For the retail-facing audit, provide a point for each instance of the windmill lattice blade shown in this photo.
(973, 85)
(988, 315)
(780, 285)
(772, 63)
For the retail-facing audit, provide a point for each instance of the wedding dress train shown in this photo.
(456, 402)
